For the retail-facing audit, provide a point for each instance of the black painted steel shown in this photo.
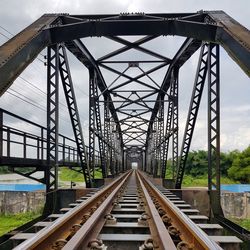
(192, 113)
(51, 172)
(214, 126)
(74, 114)
(133, 117)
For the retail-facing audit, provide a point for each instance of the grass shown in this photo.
(242, 222)
(201, 181)
(67, 174)
(12, 221)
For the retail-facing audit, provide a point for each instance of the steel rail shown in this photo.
(91, 229)
(190, 233)
(93, 226)
(62, 227)
(159, 233)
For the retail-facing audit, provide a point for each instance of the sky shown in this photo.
(235, 85)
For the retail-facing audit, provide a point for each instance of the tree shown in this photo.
(240, 169)
(196, 164)
(226, 161)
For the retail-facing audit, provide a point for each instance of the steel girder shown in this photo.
(215, 27)
(20, 51)
(84, 56)
(187, 49)
(51, 177)
(92, 122)
(214, 127)
(95, 126)
(160, 147)
(192, 113)
(107, 146)
(168, 128)
(175, 122)
(74, 114)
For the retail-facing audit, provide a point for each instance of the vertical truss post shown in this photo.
(161, 135)
(214, 127)
(126, 159)
(168, 126)
(146, 159)
(175, 122)
(92, 123)
(99, 127)
(123, 161)
(74, 114)
(151, 152)
(51, 172)
(199, 83)
(95, 127)
(107, 135)
(155, 150)
(117, 150)
(112, 151)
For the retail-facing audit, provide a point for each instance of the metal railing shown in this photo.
(18, 143)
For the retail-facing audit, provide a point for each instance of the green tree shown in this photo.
(240, 169)
(226, 161)
(196, 163)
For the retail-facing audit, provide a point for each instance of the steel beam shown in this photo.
(214, 127)
(83, 55)
(199, 83)
(51, 171)
(211, 26)
(175, 122)
(187, 49)
(168, 126)
(74, 114)
(154, 27)
(17, 53)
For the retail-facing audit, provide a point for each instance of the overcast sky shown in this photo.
(235, 85)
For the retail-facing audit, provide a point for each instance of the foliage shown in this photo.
(7, 170)
(240, 169)
(242, 222)
(4, 170)
(67, 174)
(197, 162)
(12, 221)
(197, 168)
(201, 181)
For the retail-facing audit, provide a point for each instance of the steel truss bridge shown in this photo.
(139, 121)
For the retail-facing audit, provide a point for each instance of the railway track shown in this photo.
(130, 213)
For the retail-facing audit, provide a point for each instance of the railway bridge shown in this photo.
(133, 130)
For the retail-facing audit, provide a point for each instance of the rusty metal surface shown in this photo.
(20, 51)
(62, 226)
(160, 236)
(189, 232)
(17, 53)
(94, 224)
(234, 38)
(158, 230)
